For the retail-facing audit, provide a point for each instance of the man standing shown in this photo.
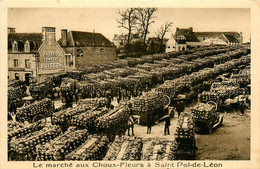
(149, 125)
(242, 108)
(131, 125)
(167, 125)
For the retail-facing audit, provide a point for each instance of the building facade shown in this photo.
(50, 56)
(86, 48)
(22, 49)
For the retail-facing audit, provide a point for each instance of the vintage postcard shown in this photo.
(119, 84)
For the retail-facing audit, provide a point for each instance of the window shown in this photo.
(102, 50)
(15, 46)
(16, 76)
(27, 46)
(15, 62)
(27, 63)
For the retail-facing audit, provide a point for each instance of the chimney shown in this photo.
(64, 37)
(10, 30)
(191, 29)
(48, 32)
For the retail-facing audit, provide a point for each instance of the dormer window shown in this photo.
(15, 46)
(27, 46)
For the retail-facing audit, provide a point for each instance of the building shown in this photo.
(182, 37)
(153, 44)
(222, 38)
(51, 58)
(86, 48)
(185, 38)
(22, 49)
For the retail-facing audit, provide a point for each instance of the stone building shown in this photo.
(22, 49)
(51, 58)
(86, 48)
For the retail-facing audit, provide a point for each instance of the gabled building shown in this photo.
(185, 38)
(86, 48)
(220, 38)
(51, 58)
(22, 49)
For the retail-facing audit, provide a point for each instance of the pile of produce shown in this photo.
(21, 130)
(228, 91)
(185, 129)
(85, 88)
(44, 86)
(15, 83)
(64, 116)
(68, 85)
(113, 119)
(125, 148)
(149, 102)
(62, 145)
(96, 76)
(76, 74)
(206, 96)
(87, 119)
(28, 143)
(93, 102)
(15, 95)
(203, 111)
(94, 148)
(160, 150)
(14, 125)
(45, 107)
(185, 137)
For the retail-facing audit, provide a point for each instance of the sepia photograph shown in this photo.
(128, 84)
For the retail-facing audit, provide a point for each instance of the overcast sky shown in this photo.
(103, 20)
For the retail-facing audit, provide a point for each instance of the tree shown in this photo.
(145, 16)
(160, 33)
(128, 21)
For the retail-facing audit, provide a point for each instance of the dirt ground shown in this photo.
(230, 141)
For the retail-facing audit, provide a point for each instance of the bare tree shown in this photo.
(128, 22)
(145, 18)
(161, 32)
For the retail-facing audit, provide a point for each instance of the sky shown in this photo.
(103, 20)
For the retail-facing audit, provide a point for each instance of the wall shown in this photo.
(180, 47)
(92, 55)
(21, 65)
(51, 59)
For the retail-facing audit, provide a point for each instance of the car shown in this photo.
(208, 124)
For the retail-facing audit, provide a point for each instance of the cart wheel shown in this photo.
(210, 128)
(156, 120)
(40, 120)
(213, 103)
(167, 100)
(15, 157)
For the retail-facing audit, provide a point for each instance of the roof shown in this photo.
(216, 34)
(21, 38)
(89, 39)
(231, 38)
(187, 33)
